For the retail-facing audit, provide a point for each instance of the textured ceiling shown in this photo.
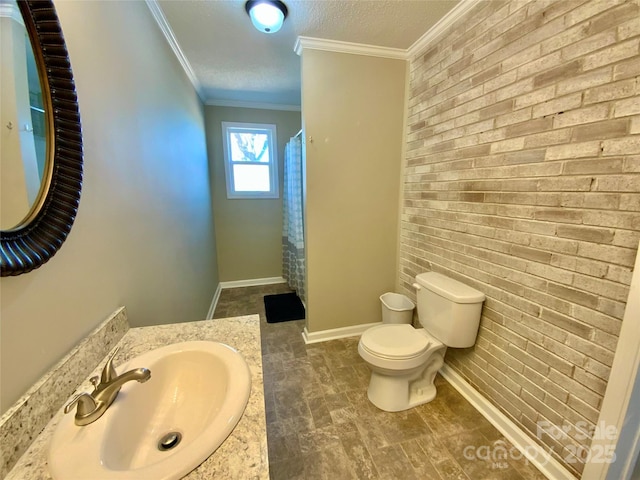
(235, 62)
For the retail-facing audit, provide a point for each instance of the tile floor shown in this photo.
(320, 424)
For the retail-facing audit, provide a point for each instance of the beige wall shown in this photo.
(523, 180)
(144, 236)
(352, 109)
(249, 231)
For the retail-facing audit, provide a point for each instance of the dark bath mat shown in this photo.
(283, 307)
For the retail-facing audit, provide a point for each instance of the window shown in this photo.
(250, 160)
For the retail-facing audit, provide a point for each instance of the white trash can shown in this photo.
(396, 308)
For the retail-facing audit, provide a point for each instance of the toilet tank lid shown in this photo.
(449, 288)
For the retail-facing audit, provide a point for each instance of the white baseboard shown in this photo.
(537, 455)
(253, 282)
(324, 335)
(240, 283)
(214, 302)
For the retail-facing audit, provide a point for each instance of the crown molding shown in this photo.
(162, 22)
(441, 26)
(310, 43)
(257, 105)
(430, 36)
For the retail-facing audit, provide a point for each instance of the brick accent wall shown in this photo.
(522, 179)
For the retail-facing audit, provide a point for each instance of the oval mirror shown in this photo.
(23, 146)
(41, 151)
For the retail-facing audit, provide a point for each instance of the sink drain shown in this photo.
(169, 441)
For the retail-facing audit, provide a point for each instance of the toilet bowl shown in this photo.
(404, 360)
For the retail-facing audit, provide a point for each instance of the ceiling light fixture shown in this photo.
(266, 15)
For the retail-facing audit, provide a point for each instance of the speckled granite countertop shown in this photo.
(243, 454)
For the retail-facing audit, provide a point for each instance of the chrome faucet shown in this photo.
(105, 390)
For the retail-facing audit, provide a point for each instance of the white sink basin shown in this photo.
(198, 390)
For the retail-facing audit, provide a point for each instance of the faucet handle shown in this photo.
(109, 371)
(86, 404)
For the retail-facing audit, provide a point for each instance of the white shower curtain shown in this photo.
(293, 227)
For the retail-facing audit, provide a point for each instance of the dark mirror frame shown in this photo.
(32, 244)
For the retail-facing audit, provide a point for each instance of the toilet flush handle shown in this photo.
(417, 286)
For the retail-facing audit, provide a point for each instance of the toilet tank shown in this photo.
(448, 310)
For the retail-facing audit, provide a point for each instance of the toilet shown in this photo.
(404, 360)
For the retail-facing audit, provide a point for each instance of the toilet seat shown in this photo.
(395, 342)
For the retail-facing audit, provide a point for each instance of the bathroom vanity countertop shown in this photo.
(243, 454)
